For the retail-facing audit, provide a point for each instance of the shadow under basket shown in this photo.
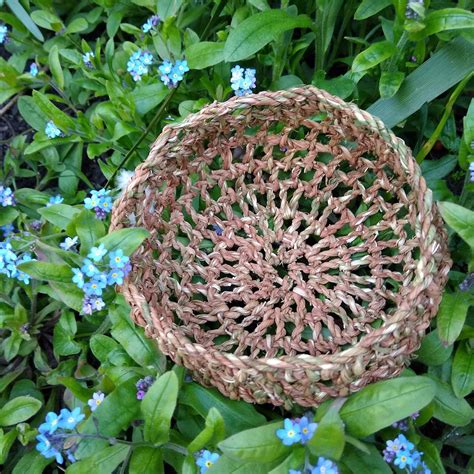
(295, 253)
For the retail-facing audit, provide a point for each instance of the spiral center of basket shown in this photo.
(291, 240)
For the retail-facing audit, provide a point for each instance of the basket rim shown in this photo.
(423, 273)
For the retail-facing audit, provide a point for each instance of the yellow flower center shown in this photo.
(98, 402)
(291, 433)
(305, 430)
(208, 463)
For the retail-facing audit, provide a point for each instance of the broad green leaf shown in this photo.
(146, 98)
(55, 66)
(213, 432)
(76, 388)
(23, 16)
(438, 169)
(326, 17)
(368, 8)
(68, 293)
(432, 350)
(260, 445)
(31, 113)
(237, 415)
(389, 83)
(89, 229)
(77, 25)
(158, 407)
(47, 271)
(31, 197)
(47, 20)
(19, 409)
(6, 442)
(451, 316)
(468, 136)
(7, 215)
(114, 414)
(167, 8)
(465, 444)
(61, 119)
(146, 460)
(31, 462)
(293, 461)
(358, 462)
(228, 465)
(446, 19)
(373, 55)
(462, 375)
(204, 54)
(258, 30)
(448, 408)
(142, 350)
(445, 68)
(459, 219)
(380, 404)
(59, 215)
(106, 350)
(128, 240)
(328, 441)
(63, 336)
(104, 461)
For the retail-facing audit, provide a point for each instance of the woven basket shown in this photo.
(295, 251)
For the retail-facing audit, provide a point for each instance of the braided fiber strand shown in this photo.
(295, 252)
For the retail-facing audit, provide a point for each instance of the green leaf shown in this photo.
(77, 25)
(359, 462)
(260, 445)
(128, 240)
(61, 119)
(31, 113)
(89, 229)
(59, 215)
(7, 215)
(446, 19)
(167, 8)
(106, 350)
(23, 16)
(373, 55)
(368, 8)
(63, 336)
(104, 461)
(158, 407)
(237, 415)
(294, 460)
(381, 404)
(47, 271)
(438, 169)
(213, 432)
(47, 20)
(31, 197)
(451, 316)
(19, 409)
(68, 293)
(465, 444)
(146, 98)
(459, 219)
(390, 82)
(462, 375)
(6, 442)
(204, 54)
(146, 460)
(258, 30)
(31, 462)
(228, 465)
(445, 68)
(448, 408)
(55, 66)
(432, 350)
(142, 350)
(328, 440)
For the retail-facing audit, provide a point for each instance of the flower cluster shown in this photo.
(242, 80)
(52, 440)
(143, 385)
(3, 34)
(171, 74)
(55, 200)
(206, 459)
(34, 69)
(138, 64)
(95, 275)
(150, 24)
(96, 400)
(323, 466)
(403, 425)
(51, 130)
(299, 430)
(87, 59)
(7, 198)
(7, 230)
(9, 261)
(100, 201)
(402, 454)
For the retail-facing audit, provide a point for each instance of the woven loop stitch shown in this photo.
(295, 252)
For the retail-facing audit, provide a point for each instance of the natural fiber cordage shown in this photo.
(295, 252)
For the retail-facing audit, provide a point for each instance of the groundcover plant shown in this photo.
(85, 88)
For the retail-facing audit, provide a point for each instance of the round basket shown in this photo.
(295, 253)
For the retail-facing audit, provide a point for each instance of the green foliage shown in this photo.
(397, 59)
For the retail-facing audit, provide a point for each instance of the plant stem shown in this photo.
(216, 14)
(155, 120)
(447, 112)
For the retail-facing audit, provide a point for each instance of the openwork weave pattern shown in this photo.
(295, 252)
